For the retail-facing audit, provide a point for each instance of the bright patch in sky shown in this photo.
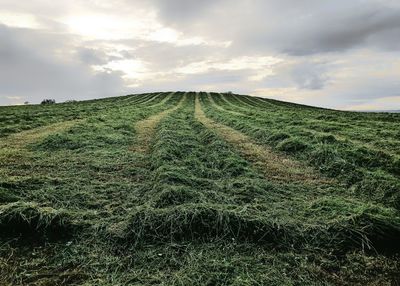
(241, 63)
(164, 35)
(106, 27)
(133, 69)
(19, 20)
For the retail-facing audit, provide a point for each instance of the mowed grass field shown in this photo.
(186, 188)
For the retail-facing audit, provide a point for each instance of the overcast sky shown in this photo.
(342, 54)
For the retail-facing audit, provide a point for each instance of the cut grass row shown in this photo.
(373, 129)
(371, 174)
(204, 193)
(67, 162)
(275, 166)
(70, 184)
(18, 118)
(145, 128)
(191, 210)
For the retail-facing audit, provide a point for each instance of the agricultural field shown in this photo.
(185, 188)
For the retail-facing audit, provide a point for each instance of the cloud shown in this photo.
(308, 75)
(91, 56)
(36, 65)
(327, 53)
(292, 27)
(177, 11)
(386, 103)
(341, 28)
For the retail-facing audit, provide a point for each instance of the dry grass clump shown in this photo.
(203, 223)
(33, 221)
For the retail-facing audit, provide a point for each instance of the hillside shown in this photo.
(198, 189)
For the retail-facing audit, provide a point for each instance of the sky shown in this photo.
(334, 53)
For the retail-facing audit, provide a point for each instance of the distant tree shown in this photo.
(229, 92)
(48, 101)
(26, 102)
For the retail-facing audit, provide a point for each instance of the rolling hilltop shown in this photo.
(198, 189)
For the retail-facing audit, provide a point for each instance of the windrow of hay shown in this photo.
(228, 103)
(219, 107)
(138, 98)
(366, 230)
(235, 102)
(203, 223)
(145, 129)
(369, 173)
(157, 99)
(152, 98)
(192, 200)
(328, 137)
(33, 221)
(275, 166)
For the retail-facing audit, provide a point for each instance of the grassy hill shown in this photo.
(198, 189)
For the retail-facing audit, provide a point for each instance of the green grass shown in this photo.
(81, 206)
(348, 146)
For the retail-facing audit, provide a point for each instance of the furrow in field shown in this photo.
(236, 102)
(134, 97)
(338, 136)
(263, 102)
(219, 107)
(258, 102)
(266, 103)
(244, 103)
(147, 99)
(227, 105)
(139, 99)
(274, 166)
(146, 128)
(230, 101)
(143, 99)
(223, 100)
(152, 98)
(164, 100)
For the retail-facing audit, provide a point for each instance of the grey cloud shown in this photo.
(165, 56)
(308, 35)
(92, 56)
(302, 74)
(369, 90)
(292, 27)
(169, 56)
(352, 27)
(361, 92)
(175, 11)
(308, 75)
(219, 81)
(127, 54)
(387, 40)
(32, 69)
